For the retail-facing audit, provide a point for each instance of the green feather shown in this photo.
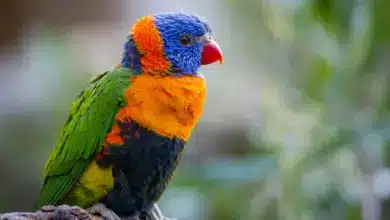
(91, 118)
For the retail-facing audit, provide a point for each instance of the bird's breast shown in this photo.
(169, 105)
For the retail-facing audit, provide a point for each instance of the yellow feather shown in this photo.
(92, 186)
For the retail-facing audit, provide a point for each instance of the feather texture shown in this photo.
(90, 119)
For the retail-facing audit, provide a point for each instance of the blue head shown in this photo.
(173, 43)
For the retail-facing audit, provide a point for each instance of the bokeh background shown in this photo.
(297, 121)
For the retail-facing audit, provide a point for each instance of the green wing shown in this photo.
(90, 119)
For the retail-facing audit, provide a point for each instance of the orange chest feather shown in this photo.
(169, 105)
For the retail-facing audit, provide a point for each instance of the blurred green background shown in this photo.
(297, 121)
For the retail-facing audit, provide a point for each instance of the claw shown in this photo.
(103, 211)
(155, 213)
(107, 214)
(80, 213)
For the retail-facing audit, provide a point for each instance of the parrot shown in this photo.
(125, 133)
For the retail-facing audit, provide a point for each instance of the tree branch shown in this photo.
(65, 212)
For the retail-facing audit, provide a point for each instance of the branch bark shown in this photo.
(66, 212)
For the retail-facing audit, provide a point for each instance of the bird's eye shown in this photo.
(185, 39)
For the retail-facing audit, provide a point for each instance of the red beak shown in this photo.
(211, 53)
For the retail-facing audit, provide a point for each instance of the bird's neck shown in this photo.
(171, 106)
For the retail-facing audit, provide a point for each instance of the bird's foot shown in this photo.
(154, 213)
(101, 210)
(64, 212)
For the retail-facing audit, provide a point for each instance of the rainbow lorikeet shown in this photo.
(127, 129)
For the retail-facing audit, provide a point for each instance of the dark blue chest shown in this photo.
(142, 169)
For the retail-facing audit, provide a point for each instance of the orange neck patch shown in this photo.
(147, 38)
(169, 105)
